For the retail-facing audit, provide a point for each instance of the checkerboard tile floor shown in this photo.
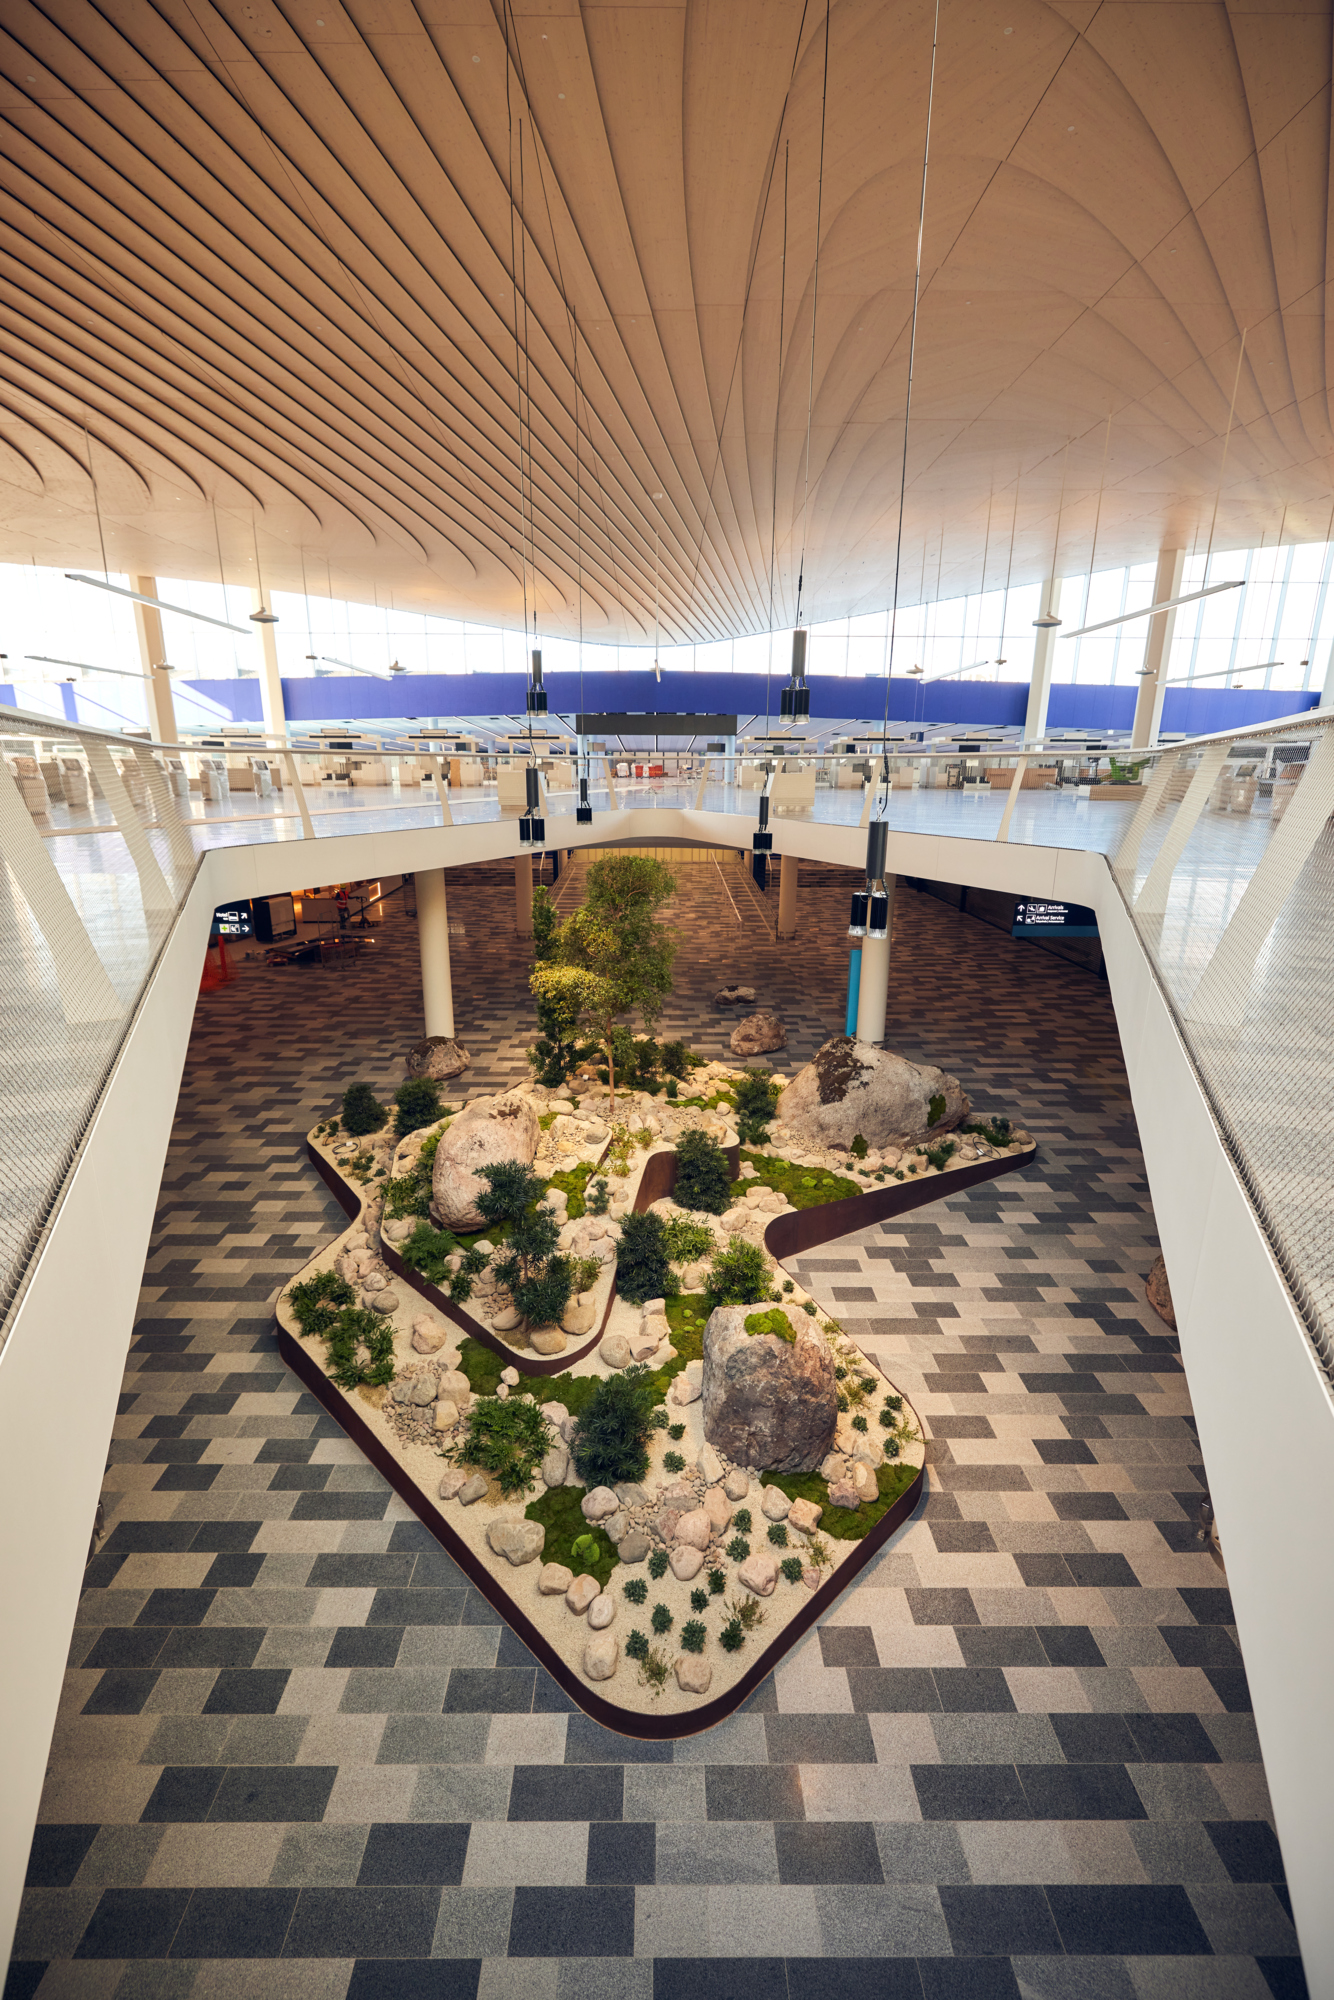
(298, 1755)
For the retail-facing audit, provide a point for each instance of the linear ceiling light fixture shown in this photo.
(87, 667)
(1148, 610)
(1218, 673)
(137, 596)
(374, 672)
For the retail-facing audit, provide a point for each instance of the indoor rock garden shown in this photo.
(561, 1322)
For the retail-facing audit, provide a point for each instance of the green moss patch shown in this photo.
(482, 1369)
(774, 1321)
(560, 1513)
(842, 1524)
(805, 1187)
(575, 1186)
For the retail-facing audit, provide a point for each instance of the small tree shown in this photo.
(418, 1102)
(622, 954)
(538, 1281)
(611, 1441)
(738, 1275)
(703, 1178)
(756, 1102)
(511, 1189)
(362, 1110)
(643, 1270)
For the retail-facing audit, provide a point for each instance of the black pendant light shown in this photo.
(761, 843)
(795, 700)
(532, 827)
(583, 812)
(537, 694)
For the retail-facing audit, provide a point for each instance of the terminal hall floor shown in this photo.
(298, 1756)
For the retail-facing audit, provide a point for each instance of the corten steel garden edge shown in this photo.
(802, 1229)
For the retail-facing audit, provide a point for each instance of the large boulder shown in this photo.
(852, 1088)
(757, 1034)
(768, 1402)
(439, 1056)
(1159, 1292)
(490, 1130)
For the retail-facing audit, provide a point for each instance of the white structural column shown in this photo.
(442, 791)
(1220, 998)
(294, 778)
(152, 882)
(1016, 786)
(1127, 854)
(523, 894)
(873, 991)
(1157, 651)
(86, 993)
(611, 784)
(433, 938)
(1152, 898)
(788, 876)
(1044, 658)
(152, 658)
(270, 680)
(178, 834)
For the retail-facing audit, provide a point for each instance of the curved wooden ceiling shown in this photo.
(257, 261)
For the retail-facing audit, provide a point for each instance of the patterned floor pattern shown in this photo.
(298, 1756)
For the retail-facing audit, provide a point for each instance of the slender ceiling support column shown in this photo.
(1152, 898)
(1015, 788)
(177, 832)
(86, 993)
(523, 894)
(270, 680)
(1044, 658)
(152, 658)
(1127, 854)
(1220, 998)
(433, 940)
(788, 878)
(1157, 651)
(152, 882)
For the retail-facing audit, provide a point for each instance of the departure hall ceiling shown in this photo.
(256, 262)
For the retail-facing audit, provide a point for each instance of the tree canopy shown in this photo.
(609, 957)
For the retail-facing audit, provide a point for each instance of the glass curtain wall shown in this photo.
(72, 650)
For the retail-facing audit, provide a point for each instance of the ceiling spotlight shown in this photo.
(1047, 621)
(263, 617)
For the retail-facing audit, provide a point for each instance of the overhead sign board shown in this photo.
(653, 724)
(232, 920)
(1034, 919)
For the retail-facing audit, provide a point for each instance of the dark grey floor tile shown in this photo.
(213, 1646)
(361, 1572)
(365, 1646)
(133, 1923)
(23, 1978)
(376, 1922)
(827, 1851)
(1141, 1921)
(587, 1742)
(341, 1506)
(489, 1690)
(1172, 1739)
(1001, 1646)
(621, 1852)
(274, 1792)
(57, 1854)
(1284, 1977)
(183, 1792)
(819, 1739)
(414, 1979)
(970, 1791)
(942, 1607)
(973, 1690)
(417, 1607)
(722, 1979)
(1232, 1689)
(233, 1572)
(968, 1979)
(1070, 1646)
(566, 1791)
(124, 1646)
(1201, 1646)
(1248, 1849)
(397, 1854)
(1095, 1739)
(176, 1607)
(1208, 1606)
(1080, 1791)
(893, 1690)
(753, 1791)
(963, 1538)
(247, 1691)
(846, 1646)
(836, 1978)
(573, 1923)
(1101, 1572)
(998, 1922)
(122, 1691)
(234, 1923)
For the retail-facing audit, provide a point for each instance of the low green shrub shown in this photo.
(356, 1332)
(859, 1148)
(507, 1439)
(676, 1432)
(859, 1423)
(732, 1637)
(693, 1635)
(643, 1266)
(699, 1600)
(658, 1421)
(362, 1110)
(597, 1197)
(611, 1439)
(428, 1251)
(996, 1132)
(636, 1590)
(738, 1274)
(741, 1520)
(778, 1534)
(317, 1302)
(661, 1619)
(703, 1178)
(657, 1565)
(418, 1103)
(791, 1567)
(673, 1462)
(717, 1582)
(738, 1548)
(676, 1060)
(686, 1240)
(636, 1646)
(939, 1156)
